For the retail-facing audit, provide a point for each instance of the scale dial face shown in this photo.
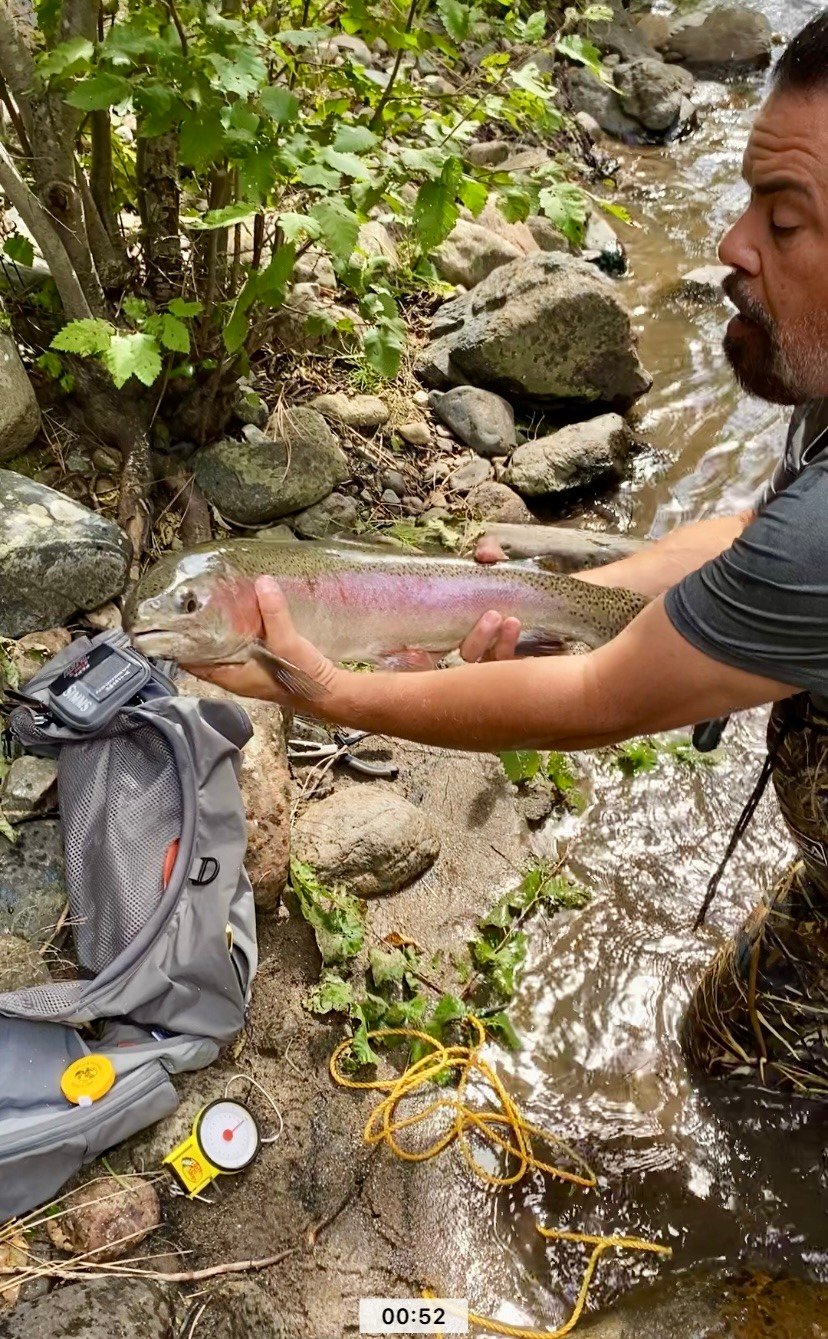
(228, 1134)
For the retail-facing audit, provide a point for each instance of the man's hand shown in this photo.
(280, 636)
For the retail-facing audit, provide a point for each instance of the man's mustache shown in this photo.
(735, 288)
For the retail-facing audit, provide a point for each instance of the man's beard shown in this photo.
(781, 366)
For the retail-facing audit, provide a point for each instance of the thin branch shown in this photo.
(31, 211)
(16, 118)
(377, 117)
(182, 36)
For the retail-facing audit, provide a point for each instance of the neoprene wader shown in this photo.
(762, 1004)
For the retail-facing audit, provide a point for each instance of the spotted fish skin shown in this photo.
(358, 602)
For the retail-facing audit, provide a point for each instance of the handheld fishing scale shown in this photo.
(225, 1139)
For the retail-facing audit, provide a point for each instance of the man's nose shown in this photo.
(737, 248)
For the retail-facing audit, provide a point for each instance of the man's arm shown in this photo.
(646, 680)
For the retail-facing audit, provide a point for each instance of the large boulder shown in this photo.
(295, 463)
(481, 419)
(548, 329)
(490, 501)
(56, 557)
(19, 412)
(96, 1309)
(592, 96)
(730, 40)
(653, 92)
(620, 36)
(367, 837)
(32, 886)
(574, 458)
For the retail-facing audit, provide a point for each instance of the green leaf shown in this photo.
(339, 227)
(580, 49)
(521, 765)
(617, 212)
(85, 337)
(355, 139)
(564, 778)
(135, 308)
(134, 355)
(384, 346)
(220, 218)
(534, 29)
(435, 211)
(244, 74)
(456, 18)
(170, 333)
(272, 281)
(235, 331)
(529, 78)
(387, 968)
(515, 204)
(640, 755)
(330, 995)
(473, 194)
(182, 308)
(280, 104)
(568, 207)
(51, 366)
(201, 140)
(67, 58)
(348, 164)
(319, 176)
(502, 1029)
(295, 226)
(99, 91)
(361, 1050)
(19, 249)
(335, 916)
(158, 109)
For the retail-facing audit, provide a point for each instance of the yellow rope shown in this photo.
(503, 1128)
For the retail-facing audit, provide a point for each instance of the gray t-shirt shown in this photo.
(762, 605)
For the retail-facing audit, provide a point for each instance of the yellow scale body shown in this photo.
(223, 1141)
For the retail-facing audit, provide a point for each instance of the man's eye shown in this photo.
(783, 229)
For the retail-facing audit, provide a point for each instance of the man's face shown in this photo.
(778, 250)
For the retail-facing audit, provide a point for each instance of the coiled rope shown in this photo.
(502, 1126)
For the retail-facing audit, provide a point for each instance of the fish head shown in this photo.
(196, 608)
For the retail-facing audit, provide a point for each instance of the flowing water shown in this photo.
(723, 1176)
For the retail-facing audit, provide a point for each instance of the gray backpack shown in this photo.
(154, 835)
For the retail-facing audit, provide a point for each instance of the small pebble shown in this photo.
(105, 461)
(394, 481)
(469, 475)
(390, 498)
(442, 431)
(420, 398)
(415, 433)
(413, 505)
(438, 499)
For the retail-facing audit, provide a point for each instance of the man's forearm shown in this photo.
(655, 569)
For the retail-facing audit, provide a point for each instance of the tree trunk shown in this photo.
(158, 205)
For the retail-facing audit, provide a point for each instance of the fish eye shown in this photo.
(191, 604)
(188, 601)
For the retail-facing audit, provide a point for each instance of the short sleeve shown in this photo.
(762, 606)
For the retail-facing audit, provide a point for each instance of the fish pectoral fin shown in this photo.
(288, 676)
(410, 658)
(539, 642)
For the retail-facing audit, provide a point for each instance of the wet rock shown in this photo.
(655, 29)
(96, 1309)
(249, 407)
(498, 336)
(30, 788)
(32, 888)
(295, 464)
(416, 433)
(31, 652)
(592, 96)
(576, 457)
(590, 127)
(264, 779)
(492, 501)
(468, 476)
(101, 1214)
(240, 1308)
(703, 285)
(488, 153)
(653, 92)
(20, 964)
(19, 412)
(602, 246)
(367, 837)
(357, 411)
(331, 515)
(471, 252)
(730, 40)
(481, 419)
(277, 534)
(55, 557)
(314, 267)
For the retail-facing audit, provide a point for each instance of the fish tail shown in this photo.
(540, 642)
(288, 676)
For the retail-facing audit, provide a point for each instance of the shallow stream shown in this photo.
(725, 1177)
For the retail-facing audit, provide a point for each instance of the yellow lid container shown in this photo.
(87, 1080)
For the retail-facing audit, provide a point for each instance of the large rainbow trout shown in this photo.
(357, 603)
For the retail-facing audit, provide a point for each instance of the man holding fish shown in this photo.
(720, 616)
